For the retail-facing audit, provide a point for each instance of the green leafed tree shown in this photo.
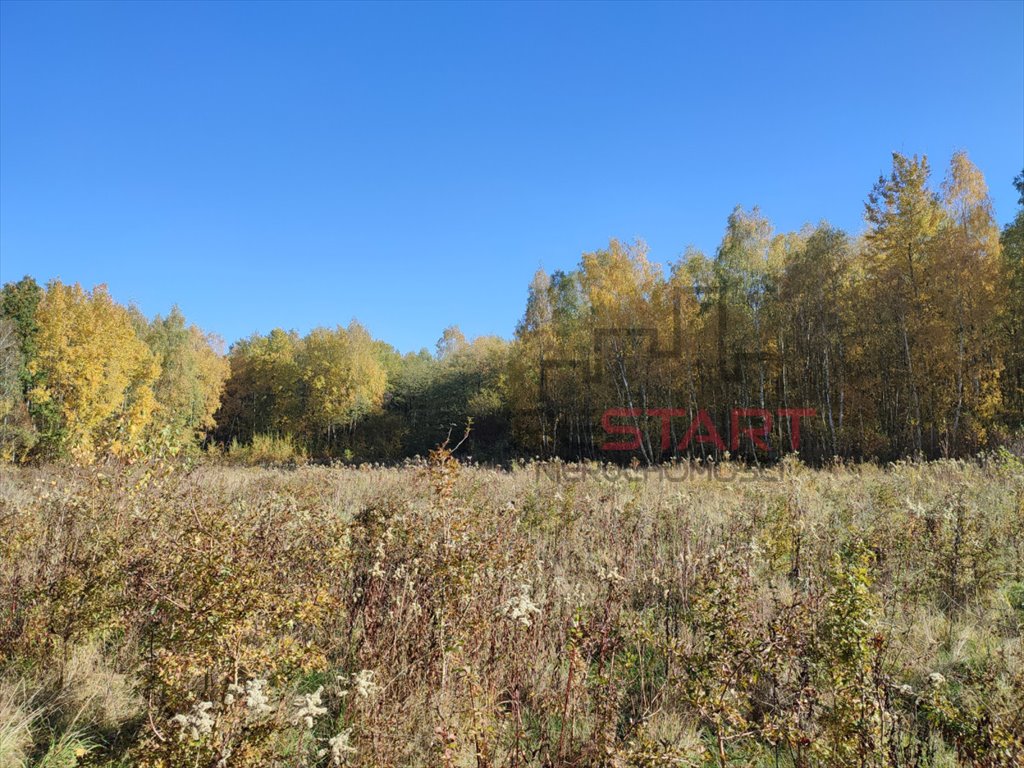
(1012, 313)
(903, 215)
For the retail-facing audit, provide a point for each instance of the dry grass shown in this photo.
(438, 615)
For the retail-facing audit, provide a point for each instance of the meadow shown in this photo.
(511, 385)
(169, 614)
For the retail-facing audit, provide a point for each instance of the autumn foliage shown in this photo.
(904, 340)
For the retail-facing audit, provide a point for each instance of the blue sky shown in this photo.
(411, 166)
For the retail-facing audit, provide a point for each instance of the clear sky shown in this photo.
(411, 166)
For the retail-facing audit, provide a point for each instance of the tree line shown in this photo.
(904, 340)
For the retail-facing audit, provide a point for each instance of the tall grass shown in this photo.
(547, 615)
(265, 449)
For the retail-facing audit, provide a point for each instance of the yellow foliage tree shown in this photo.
(343, 377)
(191, 381)
(967, 278)
(92, 372)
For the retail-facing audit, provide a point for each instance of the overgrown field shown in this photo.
(446, 615)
